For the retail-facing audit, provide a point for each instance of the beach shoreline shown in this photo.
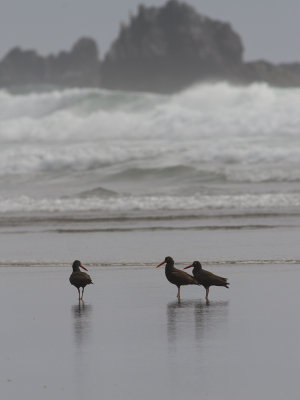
(227, 239)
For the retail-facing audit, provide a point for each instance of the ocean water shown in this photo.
(119, 181)
(108, 160)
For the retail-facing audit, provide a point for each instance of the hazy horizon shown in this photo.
(269, 31)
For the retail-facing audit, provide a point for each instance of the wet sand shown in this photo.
(150, 246)
(132, 340)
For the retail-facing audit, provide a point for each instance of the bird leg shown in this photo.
(207, 291)
(78, 293)
(178, 294)
(82, 293)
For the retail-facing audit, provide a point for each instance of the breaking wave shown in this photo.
(150, 203)
(92, 149)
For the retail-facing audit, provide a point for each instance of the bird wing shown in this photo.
(80, 279)
(208, 278)
(182, 278)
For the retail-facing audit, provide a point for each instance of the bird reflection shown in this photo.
(81, 313)
(177, 311)
(81, 322)
(204, 317)
(209, 316)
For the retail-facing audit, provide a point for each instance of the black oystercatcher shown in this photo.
(78, 278)
(176, 276)
(207, 278)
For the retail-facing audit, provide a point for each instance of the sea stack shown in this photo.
(165, 49)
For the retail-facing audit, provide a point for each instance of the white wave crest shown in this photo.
(147, 203)
(249, 133)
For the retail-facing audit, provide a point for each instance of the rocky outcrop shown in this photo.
(165, 49)
(79, 67)
(162, 49)
(21, 67)
(293, 69)
(282, 75)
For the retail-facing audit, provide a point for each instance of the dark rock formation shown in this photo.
(162, 49)
(79, 67)
(282, 75)
(293, 69)
(21, 67)
(165, 49)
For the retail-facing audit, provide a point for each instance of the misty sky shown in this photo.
(269, 29)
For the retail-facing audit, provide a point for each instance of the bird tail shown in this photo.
(222, 282)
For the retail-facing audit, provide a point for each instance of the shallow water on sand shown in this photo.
(139, 240)
(131, 339)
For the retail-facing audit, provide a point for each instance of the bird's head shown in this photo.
(167, 260)
(76, 265)
(196, 264)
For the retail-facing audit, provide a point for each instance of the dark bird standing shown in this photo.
(206, 278)
(78, 278)
(176, 276)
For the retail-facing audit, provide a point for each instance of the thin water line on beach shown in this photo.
(145, 264)
(171, 228)
(30, 219)
(150, 229)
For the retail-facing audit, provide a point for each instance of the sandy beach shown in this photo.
(130, 338)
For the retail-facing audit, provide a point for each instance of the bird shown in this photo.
(79, 279)
(176, 276)
(206, 278)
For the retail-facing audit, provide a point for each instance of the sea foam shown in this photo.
(151, 203)
(249, 133)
